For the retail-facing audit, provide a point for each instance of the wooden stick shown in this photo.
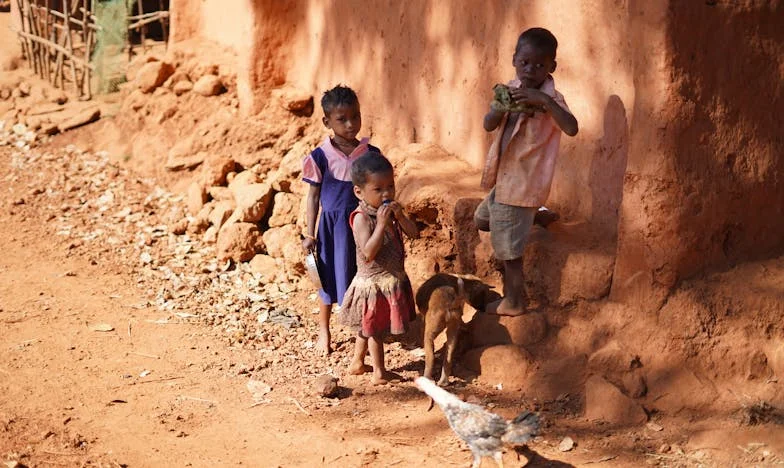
(141, 24)
(299, 405)
(164, 24)
(140, 4)
(39, 40)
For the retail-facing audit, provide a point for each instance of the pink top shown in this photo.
(522, 176)
(339, 164)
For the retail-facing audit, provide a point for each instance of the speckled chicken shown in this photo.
(485, 433)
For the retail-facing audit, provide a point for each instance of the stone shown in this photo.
(215, 170)
(195, 198)
(134, 101)
(509, 365)
(523, 330)
(286, 177)
(244, 178)
(293, 99)
(238, 242)
(68, 120)
(176, 162)
(253, 202)
(265, 265)
(180, 227)
(605, 402)
(326, 386)
(567, 444)
(133, 67)
(45, 108)
(208, 85)
(210, 235)
(152, 75)
(221, 212)
(285, 207)
(220, 193)
(276, 239)
(182, 87)
(177, 77)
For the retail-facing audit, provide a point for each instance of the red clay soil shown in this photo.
(89, 242)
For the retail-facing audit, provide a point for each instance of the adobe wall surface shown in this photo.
(678, 148)
(703, 186)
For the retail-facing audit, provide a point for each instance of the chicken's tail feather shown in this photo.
(438, 394)
(521, 429)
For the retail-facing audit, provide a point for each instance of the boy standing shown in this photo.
(521, 160)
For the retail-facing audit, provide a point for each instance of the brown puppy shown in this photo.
(440, 301)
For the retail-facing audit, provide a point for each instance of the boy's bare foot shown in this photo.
(323, 345)
(502, 307)
(359, 368)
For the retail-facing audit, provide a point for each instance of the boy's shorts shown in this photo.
(509, 226)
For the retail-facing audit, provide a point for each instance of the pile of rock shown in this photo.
(40, 109)
(252, 215)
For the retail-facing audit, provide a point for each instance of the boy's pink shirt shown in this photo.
(523, 175)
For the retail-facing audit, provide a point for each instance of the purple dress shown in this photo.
(329, 168)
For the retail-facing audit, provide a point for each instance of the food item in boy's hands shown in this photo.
(503, 102)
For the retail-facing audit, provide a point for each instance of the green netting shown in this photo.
(108, 56)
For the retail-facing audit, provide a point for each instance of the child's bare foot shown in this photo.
(503, 307)
(359, 368)
(381, 378)
(323, 345)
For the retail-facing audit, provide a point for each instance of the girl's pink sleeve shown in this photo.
(310, 171)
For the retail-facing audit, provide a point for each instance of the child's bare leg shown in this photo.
(357, 366)
(376, 345)
(514, 300)
(324, 344)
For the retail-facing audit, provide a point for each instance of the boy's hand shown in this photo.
(308, 244)
(530, 96)
(384, 215)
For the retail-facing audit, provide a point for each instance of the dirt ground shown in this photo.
(126, 343)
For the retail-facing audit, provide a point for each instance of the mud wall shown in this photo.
(678, 152)
(703, 185)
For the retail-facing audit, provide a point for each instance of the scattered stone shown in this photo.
(294, 100)
(182, 87)
(220, 193)
(208, 85)
(267, 266)
(238, 242)
(566, 444)
(81, 117)
(220, 213)
(326, 386)
(152, 74)
(196, 197)
(180, 163)
(285, 207)
(215, 170)
(253, 202)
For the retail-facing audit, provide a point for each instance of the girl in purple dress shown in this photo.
(328, 171)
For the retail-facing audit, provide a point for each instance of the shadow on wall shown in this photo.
(608, 167)
(728, 153)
